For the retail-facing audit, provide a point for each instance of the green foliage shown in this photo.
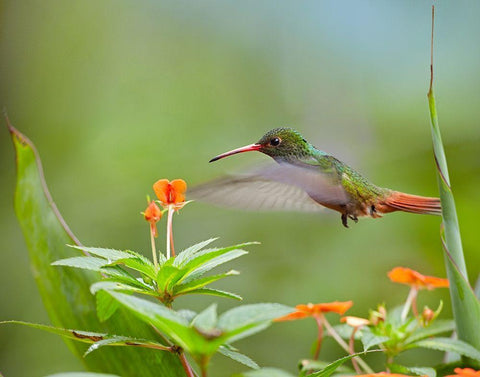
(66, 294)
(465, 304)
(174, 277)
(332, 367)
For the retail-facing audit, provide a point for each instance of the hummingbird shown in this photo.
(305, 178)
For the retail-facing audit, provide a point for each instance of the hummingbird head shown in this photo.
(282, 144)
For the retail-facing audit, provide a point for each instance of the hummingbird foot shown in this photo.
(345, 218)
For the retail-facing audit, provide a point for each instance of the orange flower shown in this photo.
(315, 310)
(415, 279)
(170, 192)
(465, 372)
(153, 214)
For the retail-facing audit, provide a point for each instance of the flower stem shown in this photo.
(320, 337)
(169, 231)
(331, 331)
(351, 346)
(411, 298)
(152, 242)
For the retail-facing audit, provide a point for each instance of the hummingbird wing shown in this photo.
(275, 187)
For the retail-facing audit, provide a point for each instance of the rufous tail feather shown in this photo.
(399, 201)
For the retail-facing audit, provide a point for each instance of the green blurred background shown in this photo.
(117, 94)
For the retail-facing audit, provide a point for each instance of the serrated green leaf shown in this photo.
(65, 292)
(206, 319)
(448, 345)
(417, 371)
(265, 372)
(167, 277)
(213, 292)
(108, 254)
(370, 340)
(237, 356)
(106, 306)
(187, 254)
(113, 285)
(199, 283)
(245, 315)
(189, 315)
(198, 266)
(437, 327)
(86, 263)
(137, 264)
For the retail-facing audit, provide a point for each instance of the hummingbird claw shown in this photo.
(345, 220)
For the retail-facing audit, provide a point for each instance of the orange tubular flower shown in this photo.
(170, 193)
(153, 214)
(315, 310)
(465, 372)
(415, 279)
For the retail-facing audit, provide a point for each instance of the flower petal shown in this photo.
(411, 277)
(178, 187)
(161, 188)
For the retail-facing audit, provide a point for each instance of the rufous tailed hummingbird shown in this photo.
(305, 179)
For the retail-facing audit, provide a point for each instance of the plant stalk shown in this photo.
(152, 242)
(331, 331)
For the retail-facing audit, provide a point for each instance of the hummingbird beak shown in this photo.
(247, 148)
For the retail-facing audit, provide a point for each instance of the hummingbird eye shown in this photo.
(275, 141)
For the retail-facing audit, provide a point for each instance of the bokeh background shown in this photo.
(117, 94)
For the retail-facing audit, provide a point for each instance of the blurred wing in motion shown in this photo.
(277, 187)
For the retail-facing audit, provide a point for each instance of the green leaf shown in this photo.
(213, 292)
(167, 277)
(81, 374)
(465, 304)
(138, 264)
(247, 320)
(237, 356)
(208, 260)
(106, 306)
(186, 255)
(126, 342)
(199, 283)
(332, 367)
(175, 326)
(78, 335)
(110, 255)
(309, 366)
(86, 263)
(448, 345)
(437, 327)
(418, 371)
(65, 292)
(245, 315)
(115, 285)
(265, 372)
(370, 340)
(206, 320)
